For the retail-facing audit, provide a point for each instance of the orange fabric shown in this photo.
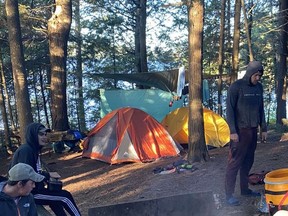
(98, 126)
(149, 138)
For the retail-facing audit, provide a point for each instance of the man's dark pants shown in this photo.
(241, 156)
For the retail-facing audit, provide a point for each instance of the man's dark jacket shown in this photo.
(29, 152)
(245, 108)
(26, 204)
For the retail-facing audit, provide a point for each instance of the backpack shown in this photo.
(257, 178)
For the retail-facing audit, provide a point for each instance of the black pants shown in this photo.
(241, 157)
(57, 201)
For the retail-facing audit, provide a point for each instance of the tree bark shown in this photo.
(7, 100)
(221, 56)
(36, 95)
(248, 32)
(140, 37)
(228, 36)
(58, 33)
(44, 98)
(79, 72)
(8, 142)
(197, 150)
(281, 86)
(236, 40)
(19, 73)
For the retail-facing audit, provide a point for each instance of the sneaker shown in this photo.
(251, 193)
(232, 201)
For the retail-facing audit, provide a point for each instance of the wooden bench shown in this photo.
(42, 211)
(192, 204)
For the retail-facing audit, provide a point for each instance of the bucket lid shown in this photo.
(277, 176)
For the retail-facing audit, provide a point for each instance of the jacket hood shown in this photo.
(252, 68)
(3, 196)
(31, 135)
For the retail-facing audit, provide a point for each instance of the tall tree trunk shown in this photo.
(221, 55)
(140, 37)
(36, 96)
(19, 73)
(48, 97)
(197, 148)
(236, 40)
(250, 22)
(7, 96)
(272, 85)
(8, 142)
(281, 86)
(79, 72)
(227, 57)
(44, 98)
(248, 31)
(142, 33)
(58, 33)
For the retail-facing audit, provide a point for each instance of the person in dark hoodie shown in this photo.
(29, 153)
(245, 113)
(15, 196)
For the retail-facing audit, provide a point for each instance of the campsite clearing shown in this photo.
(94, 183)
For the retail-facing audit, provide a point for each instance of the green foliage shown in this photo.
(108, 45)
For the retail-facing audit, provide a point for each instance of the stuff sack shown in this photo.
(257, 178)
(55, 185)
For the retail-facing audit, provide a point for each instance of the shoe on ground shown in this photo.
(232, 201)
(251, 193)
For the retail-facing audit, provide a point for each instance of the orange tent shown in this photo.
(128, 135)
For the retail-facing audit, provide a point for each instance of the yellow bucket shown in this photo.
(276, 186)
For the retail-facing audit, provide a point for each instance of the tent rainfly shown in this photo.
(216, 129)
(128, 135)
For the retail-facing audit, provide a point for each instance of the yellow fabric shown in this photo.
(216, 129)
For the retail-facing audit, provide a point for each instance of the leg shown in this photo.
(57, 200)
(44, 198)
(69, 203)
(250, 137)
(236, 156)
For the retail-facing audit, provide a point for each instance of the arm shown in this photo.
(232, 99)
(24, 155)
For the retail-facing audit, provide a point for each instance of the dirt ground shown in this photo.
(94, 183)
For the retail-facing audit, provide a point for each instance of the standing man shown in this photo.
(15, 196)
(245, 112)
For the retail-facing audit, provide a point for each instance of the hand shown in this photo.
(234, 137)
(264, 136)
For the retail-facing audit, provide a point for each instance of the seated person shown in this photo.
(29, 153)
(15, 196)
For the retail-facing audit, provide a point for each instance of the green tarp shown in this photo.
(166, 81)
(153, 101)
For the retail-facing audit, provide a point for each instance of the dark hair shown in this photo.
(3, 178)
(12, 183)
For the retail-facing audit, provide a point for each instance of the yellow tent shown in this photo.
(216, 129)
